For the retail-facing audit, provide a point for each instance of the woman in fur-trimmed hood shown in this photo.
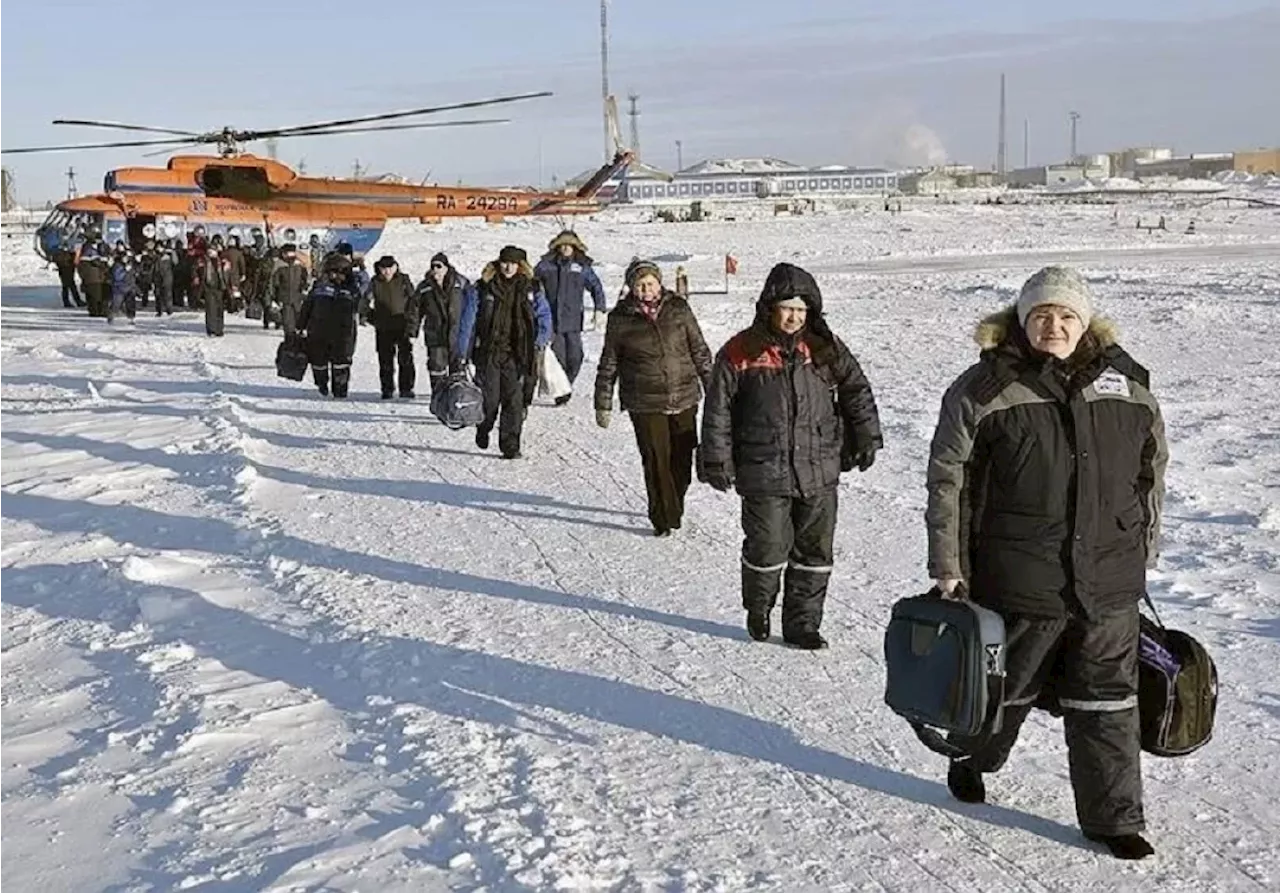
(1046, 476)
(505, 325)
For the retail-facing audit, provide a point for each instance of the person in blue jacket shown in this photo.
(565, 273)
(124, 285)
(505, 322)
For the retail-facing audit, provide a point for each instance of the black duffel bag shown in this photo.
(459, 404)
(1177, 689)
(291, 358)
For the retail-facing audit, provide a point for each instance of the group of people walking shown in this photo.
(1045, 476)
(1045, 483)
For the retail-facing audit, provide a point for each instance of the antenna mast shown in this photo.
(604, 77)
(1075, 117)
(72, 190)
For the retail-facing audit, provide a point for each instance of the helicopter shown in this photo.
(236, 193)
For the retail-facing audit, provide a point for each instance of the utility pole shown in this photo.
(1001, 159)
(1075, 117)
(604, 77)
(1026, 142)
(7, 199)
(634, 114)
(72, 191)
(356, 170)
(679, 155)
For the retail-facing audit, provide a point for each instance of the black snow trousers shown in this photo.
(503, 385)
(437, 367)
(97, 295)
(795, 534)
(395, 348)
(667, 444)
(330, 350)
(214, 311)
(164, 296)
(67, 276)
(1089, 668)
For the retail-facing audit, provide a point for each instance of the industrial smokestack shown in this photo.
(1001, 157)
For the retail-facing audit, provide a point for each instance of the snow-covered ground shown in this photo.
(253, 640)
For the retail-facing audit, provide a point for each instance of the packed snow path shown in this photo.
(257, 640)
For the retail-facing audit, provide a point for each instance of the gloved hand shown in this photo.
(717, 477)
(864, 458)
(596, 316)
(603, 417)
(457, 367)
(364, 320)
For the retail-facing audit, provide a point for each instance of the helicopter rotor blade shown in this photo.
(118, 126)
(421, 126)
(26, 150)
(171, 149)
(388, 116)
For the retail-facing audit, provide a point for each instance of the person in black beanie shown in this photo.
(505, 322)
(442, 293)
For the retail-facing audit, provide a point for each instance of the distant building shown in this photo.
(1257, 161)
(750, 178)
(931, 182)
(1058, 174)
(1124, 162)
(1197, 166)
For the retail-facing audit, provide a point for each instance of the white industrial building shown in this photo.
(755, 178)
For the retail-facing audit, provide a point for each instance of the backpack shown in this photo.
(944, 666)
(291, 358)
(459, 404)
(1177, 689)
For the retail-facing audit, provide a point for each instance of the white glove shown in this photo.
(603, 417)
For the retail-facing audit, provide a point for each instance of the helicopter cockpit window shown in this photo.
(226, 181)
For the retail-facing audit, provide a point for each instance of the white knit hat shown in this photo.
(1060, 286)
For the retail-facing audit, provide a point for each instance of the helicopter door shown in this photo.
(139, 229)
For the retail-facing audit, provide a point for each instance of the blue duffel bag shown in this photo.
(944, 661)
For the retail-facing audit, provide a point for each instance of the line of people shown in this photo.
(1045, 476)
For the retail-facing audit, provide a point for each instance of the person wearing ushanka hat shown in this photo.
(566, 274)
(1045, 483)
(772, 430)
(655, 353)
(505, 323)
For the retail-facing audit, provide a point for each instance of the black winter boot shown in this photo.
(965, 783)
(1124, 846)
(758, 625)
(805, 639)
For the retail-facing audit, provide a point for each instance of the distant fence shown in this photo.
(20, 224)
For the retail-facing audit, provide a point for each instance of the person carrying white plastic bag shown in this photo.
(553, 383)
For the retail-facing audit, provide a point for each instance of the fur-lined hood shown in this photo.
(994, 330)
(567, 237)
(491, 270)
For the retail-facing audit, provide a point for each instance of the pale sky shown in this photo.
(812, 81)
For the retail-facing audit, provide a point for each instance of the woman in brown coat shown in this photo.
(654, 351)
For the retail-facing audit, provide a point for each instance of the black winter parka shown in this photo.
(783, 414)
(1046, 477)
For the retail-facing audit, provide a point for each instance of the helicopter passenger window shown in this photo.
(226, 181)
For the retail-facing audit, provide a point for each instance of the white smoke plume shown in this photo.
(892, 136)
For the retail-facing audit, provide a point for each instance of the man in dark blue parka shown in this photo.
(565, 273)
